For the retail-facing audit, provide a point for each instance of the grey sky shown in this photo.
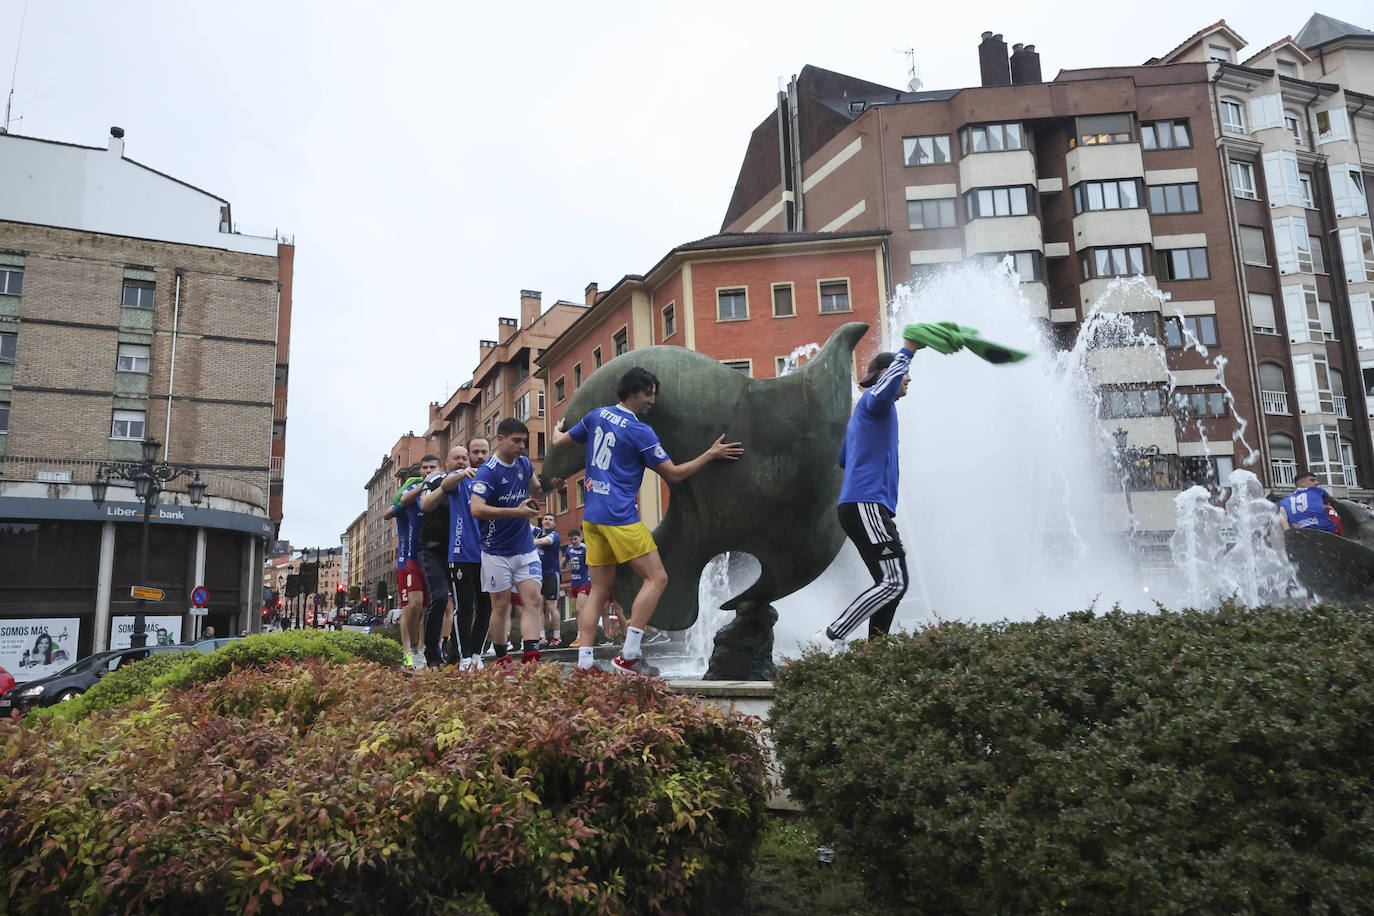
(432, 161)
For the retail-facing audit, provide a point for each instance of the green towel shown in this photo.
(949, 337)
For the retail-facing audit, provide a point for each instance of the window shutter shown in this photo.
(1262, 312)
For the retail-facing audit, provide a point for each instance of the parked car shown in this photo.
(75, 679)
(210, 645)
(365, 623)
(6, 682)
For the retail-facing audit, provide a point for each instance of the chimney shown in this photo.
(1025, 64)
(590, 293)
(117, 141)
(992, 61)
(530, 306)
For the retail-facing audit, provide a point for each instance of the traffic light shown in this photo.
(339, 596)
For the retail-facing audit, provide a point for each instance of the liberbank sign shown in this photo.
(76, 510)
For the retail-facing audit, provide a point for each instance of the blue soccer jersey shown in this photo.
(505, 486)
(619, 447)
(408, 519)
(1306, 508)
(464, 539)
(577, 565)
(869, 451)
(548, 556)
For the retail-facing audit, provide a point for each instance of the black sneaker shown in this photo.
(634, 667)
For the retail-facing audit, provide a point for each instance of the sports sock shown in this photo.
(586, 657)
(529, 645)
(501, 649)
(633, 636)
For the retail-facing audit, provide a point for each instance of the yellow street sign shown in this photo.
(143, 591)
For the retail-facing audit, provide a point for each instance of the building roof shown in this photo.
(1321, 30)
(1218, 26)
(1285, 40)
(751, 239)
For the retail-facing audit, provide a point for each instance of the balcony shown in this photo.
(276, 468)
(1341, 410)
(279, 409)
(1351, 480)
(1284, 470)
(1275, 401)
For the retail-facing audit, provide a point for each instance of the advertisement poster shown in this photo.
(161, 631)
(32, 649)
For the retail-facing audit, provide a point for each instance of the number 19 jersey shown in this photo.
(619, 448)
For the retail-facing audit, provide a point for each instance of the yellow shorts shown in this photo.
(608, 545)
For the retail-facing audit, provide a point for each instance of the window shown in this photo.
(1347, 189)
(780, 365)
(1219, 53)
(542, 444)
(9, 344)
(1204, 471)
(539, 403)
(1327, 322)
(834, 296)
(138, 294)
(1165, 134)
(522, 371)
(1318, 254)
(1266, 111)
(984, 202)
(1281, 177)
(1193, 403)
(132, 358)
(669, 320)
(1332, 125)
(1252, 245)
(1174, 198)
(1190, 330)
(782, 301)
(930, 214)
(991, 138)
(931, 150)
(522, 407)
(577, 376)
(1232, 116)
(1096, 130)
(4, 417)
(1025, 263)
(1272, 381)
(1293, 124)
(1119, 403)
(742, 366)
(1114, 262)
(1292, 245)
(11, 281)
(1313, 384)
(561, 500)
(1357, 253)
(1302, 314)
(495, 388)
(1119, 194)
(1182, 264)
(1243, 180)
(596, 358)
(560, 389)
(1262, 313)
(620, 341)
(579, 494)
(1309, 200)
(1286, 67)
(732, 304)
(128, 424)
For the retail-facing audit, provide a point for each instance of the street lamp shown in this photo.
(149, 479)
(1128, 459)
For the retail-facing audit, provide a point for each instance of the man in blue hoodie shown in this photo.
(868, 497)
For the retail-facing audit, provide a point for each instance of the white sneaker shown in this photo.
(420, 661)
(477, 663)
(820, 641)
(464, 664)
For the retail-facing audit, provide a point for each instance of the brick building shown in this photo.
(354, 542)
(1189, 170)
(131, 309)
(747, 299)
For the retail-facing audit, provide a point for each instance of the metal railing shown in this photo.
(276, 467)
(1274, 401)
(279, 409)
(1351, 480)
(1341, 410)
(1285, 471)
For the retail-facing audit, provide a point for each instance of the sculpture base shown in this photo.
(744, 647)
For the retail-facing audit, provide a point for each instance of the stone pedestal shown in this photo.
(744, 647)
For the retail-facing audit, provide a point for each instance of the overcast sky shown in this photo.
(432, 159)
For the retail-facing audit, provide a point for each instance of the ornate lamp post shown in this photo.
(1128, 459)
(149, 478)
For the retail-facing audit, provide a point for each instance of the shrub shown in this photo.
(1193, 762)
(307, 786)
(122, 685)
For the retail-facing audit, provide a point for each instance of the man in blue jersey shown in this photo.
(547, 542)
(471, 604)
(1305, 507)
(575, 562)
(620, 445)
(436, 539)
(409, 578)
(868, 497)
(503, 505)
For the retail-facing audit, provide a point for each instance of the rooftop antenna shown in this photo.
(14, 75)
(913, 82)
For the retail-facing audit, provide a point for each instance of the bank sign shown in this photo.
(160, 513)
(83, 510)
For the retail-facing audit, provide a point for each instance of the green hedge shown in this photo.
(312, 786)
(1171, 763)
(185, 669)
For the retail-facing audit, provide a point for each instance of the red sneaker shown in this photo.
(636, 667)
(531, 657)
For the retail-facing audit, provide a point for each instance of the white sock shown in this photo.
(586, 657)
(633, 635)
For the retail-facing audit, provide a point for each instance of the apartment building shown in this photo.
(131, 309)
(502, 384)
(354, 542)
(750, 300)
(1159, 171)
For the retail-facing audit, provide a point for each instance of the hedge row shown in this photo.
(307, 786)
(1214, 762)
(185, 669)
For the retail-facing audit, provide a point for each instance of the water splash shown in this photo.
(1233, 552)
(798, 357)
